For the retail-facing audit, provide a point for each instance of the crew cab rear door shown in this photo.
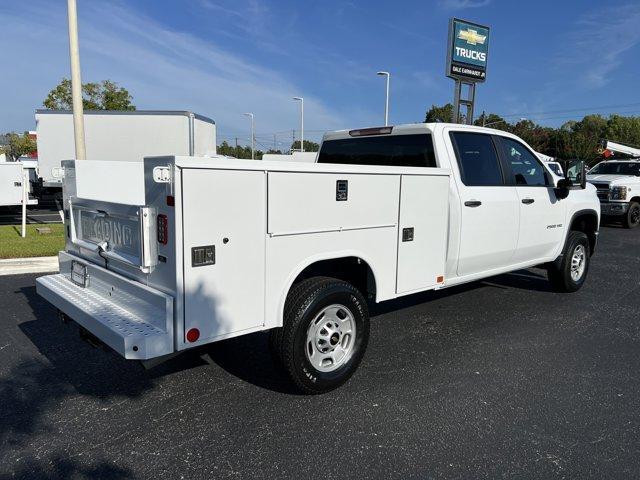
(490, 208)
(542, 215)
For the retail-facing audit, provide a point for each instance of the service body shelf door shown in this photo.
(422, 232)
(226, 210)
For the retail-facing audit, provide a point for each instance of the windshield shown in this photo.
(616, 168)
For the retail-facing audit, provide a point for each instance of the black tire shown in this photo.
(560, 273)
(632, 218)
(305, 302)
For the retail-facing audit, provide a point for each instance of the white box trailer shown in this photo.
(121, 136)
(14, 177)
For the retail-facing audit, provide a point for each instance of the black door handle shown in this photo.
(472, 203)
(528, 201)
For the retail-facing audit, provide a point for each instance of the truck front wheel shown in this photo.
(632, 218)
(324, 334)
(570, 273)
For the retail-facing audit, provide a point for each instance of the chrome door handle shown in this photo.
(472, 203)
(528, 201)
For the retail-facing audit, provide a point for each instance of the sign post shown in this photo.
(467, 55)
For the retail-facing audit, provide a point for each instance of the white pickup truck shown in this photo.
(618, 184)
(223, 248)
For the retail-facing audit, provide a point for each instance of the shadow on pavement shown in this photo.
(59, 466)
(77, 367)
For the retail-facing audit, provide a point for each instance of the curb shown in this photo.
(17, 266)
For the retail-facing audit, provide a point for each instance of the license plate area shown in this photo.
(79, 274)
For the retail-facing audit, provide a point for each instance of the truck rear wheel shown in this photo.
(324, 335)
(570, 274)
(632, 218)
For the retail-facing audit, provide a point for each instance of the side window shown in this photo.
(477, 159)
(525, 167)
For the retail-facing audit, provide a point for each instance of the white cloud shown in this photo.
(461, 4)
(598, 42)
(162, 68)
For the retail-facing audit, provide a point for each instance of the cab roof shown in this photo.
(408, 129)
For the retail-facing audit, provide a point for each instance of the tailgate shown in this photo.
(124, 233)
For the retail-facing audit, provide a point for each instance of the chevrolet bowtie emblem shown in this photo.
(472, 37)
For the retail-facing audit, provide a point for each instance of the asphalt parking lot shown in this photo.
(501, 378)
(46, 213)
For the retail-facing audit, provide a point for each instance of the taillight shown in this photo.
(163, 229)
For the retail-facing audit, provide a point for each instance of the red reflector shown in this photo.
(440, 279)
(163, 229)
(171, 201)
(371, 131)
(193, 335)
(607, 154)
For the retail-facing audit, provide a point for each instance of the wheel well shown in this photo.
(587, 223)
(350, 269)
(635, 199)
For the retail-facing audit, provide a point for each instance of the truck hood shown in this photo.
(613, 179)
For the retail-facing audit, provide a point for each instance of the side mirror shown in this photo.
(576, 173)
(563, 187)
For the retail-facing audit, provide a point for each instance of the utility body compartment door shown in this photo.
(422, 232)
(224, 225)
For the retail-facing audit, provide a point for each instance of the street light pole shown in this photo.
(301, 100)
(386, 103)
(253, 135)
(76, 81)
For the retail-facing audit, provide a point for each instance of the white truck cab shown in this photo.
(222, 247)
(618, 185)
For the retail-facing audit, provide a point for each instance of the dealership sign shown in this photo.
(468, 51)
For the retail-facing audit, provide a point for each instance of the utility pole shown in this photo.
(275, 147)
(386, 101)
(76, 81)
(253, 135)
(301, 100)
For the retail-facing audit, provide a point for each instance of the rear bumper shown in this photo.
(134, 320)
(613, 208)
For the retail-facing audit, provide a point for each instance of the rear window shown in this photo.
(397, 150)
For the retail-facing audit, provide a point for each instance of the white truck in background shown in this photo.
(220, 249)
(618, 182)
(126, 136)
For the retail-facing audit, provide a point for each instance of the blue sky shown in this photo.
(221, 58)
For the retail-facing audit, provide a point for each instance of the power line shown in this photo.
(604, 107)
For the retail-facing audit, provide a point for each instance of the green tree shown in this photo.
(15, 146)
(623, 129)
(237, 152)
(439, 114)
(309, 146)
(106, 95)
(491, 120)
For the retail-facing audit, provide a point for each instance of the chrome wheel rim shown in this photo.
(578, 262)
(330, 338)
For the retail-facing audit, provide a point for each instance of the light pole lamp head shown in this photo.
(298, 98)
(248, 114)
(383, 74)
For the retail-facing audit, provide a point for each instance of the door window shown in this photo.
(477, 159)
(525, 167)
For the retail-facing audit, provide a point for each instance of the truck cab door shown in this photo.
(490, 209)
(542, 214)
